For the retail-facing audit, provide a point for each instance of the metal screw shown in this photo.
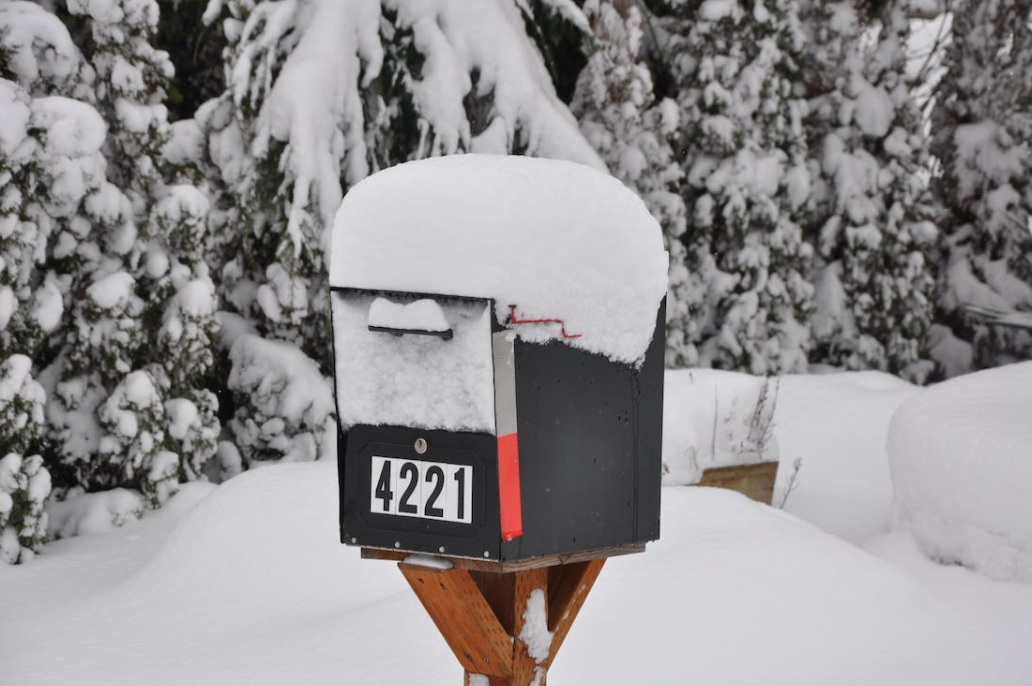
(421, 445)
(354, 540)
(487, 553)
(397, 544)
(441, 549)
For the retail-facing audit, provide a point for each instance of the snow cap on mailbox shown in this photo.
(545, 239)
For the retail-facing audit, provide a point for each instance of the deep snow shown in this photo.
(554, 239)
(245, 583)
(962, 470)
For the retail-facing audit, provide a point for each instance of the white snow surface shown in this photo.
(421, 315)
(14, 104)
(961, 459)
(414, 380)
(558, 240)
(250, 581)
(535, 634)
(835, 424)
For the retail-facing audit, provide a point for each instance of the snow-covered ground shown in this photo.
(245, 583)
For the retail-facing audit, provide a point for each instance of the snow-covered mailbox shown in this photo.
(498, 335)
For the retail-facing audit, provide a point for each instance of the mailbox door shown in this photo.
(420, 490)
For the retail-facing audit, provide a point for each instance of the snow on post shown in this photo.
(961, 459)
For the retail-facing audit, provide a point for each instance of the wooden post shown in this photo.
(483, 615)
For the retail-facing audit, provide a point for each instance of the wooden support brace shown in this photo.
(468, 624)
(484, 616)
(568, 588)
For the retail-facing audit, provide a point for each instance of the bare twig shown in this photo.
(793, 482)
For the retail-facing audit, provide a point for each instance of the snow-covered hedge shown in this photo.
(961, 460)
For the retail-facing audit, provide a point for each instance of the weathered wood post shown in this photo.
(500, 410)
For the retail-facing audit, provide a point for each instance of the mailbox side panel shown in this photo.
(590, 446)
(649, 434)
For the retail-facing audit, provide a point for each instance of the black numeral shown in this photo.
(460, 476)
(411, 472)
(383, 486)
(436, 475)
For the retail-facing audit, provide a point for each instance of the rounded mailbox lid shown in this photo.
(566, 252)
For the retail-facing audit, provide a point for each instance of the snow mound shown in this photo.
(267, 528)
(250, 580)
(739, 593)
(833, 426)
(961, 460)
(557, 240)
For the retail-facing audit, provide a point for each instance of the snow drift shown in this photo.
(961, 459)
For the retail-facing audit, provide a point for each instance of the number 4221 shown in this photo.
(417, 488)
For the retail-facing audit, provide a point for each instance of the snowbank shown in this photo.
(961, 459)
(252, 583)
(707, 417)
(834, 425)
(557, 240)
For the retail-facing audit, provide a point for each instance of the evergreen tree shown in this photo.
(154, 289)
(24, 481)
(631, 129)
(873, 222)
(58, 203)
(747, 182)
(982, 126)
(319, 95)
(110, 289)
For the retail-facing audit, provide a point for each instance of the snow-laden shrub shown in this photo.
(982, 130)
(79, 513)
(24, 481)
(617, 108)
(21, 406)
(286, 409)
(748, 184)
(873, 224)
(322, 94)
(37, 52)
(131, 75)
(24, 488)
(104, 280)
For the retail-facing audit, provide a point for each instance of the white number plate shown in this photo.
(414, 488)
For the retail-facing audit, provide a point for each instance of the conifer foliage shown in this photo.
(320, 94)
(103, 277)
(747, 182)
(873, 222)
(632, 129)
(982, 127)
(24, 481)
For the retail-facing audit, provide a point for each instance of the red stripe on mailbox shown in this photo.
(509, 486)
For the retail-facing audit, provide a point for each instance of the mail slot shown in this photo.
(472, 426)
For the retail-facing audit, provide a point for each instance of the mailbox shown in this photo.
(474, 420)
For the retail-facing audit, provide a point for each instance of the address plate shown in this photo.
(418, 488)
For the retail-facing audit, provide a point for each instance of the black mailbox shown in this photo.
(461, 436)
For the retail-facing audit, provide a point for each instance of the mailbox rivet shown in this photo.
(441, 549)
(487, 553)
(354, 540)
(397, 544)
(421, 445)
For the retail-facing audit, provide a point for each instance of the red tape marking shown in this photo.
(509, 487)
(513, 319)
